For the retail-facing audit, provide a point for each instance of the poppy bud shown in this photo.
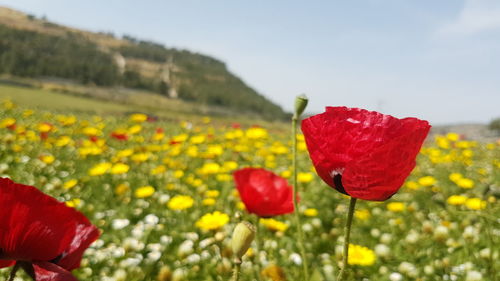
(243, 235)
(300, 105)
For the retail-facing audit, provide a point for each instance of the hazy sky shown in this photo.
(437, 60)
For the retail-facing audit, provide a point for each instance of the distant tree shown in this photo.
(495, 125)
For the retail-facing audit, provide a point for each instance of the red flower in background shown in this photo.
(264, 193)
(121, 136)
(361, 153)
(40, 234)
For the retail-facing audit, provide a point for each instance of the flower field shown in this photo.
(164, 199)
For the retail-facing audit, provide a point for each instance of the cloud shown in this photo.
(475, 17)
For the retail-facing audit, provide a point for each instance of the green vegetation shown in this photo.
(495, 125)
(149, 66)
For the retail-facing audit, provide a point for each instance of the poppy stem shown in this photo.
(13, 272)
(295, 203)
(348, 224)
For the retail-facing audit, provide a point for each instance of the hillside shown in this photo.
(36, 48)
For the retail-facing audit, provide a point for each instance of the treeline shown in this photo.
(198, 78)
(32, 54)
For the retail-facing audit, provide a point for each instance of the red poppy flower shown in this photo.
(40, 234)
(264, 193)
(361, 153)
(121, 136)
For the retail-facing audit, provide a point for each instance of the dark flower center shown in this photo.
(337, 181)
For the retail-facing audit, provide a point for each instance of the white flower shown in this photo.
(382, 250)
(395, 276)
(296, 259)
(473, 276)
(120, 223)
(151, 219)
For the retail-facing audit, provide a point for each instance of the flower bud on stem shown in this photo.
(300, 105)
(243, 235)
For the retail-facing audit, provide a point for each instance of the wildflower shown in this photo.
(359, 255)
(256, 133)
(361, 153)
(396, 206)
(208, 202)
(119, 168)
(180, 202)
(263, 193)
(412, 185)
(73, 203)
(138, 117)
(475, 204)
(212, 193)
(70, 184)
(305, 177)
(51, 246)
(465, 183)
(362, 214)
(100, 169)
(210, 168)
(121, 189)
(427, 181)
(212, 221)
(311, 212)
(144, 191)
(274, 225)
(456, 200)
(47, 159)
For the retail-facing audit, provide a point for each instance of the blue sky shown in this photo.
(436, 60)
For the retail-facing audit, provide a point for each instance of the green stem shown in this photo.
(13, 272)
(348, 224)
(295, 203)
(236, 271)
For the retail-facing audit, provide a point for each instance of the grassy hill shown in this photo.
(36, 48)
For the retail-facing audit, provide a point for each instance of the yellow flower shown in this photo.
(100, 169)
(91, 131)
(180, 202)
(70, 184)
(359, 255)
(73, 203)
(274, 225)
(412, 185)
(212, 221)
(427, 181)
(256, 133)
(362, 214)
(208, 202)
(286, 174)
(453, 136)
(140, 157)
(47, 159)
(465, 183)
(144, 191)
(212, 193)
(229, 166)
(134, 129)
(305, 177)
(7, 122)
(178, 174)
(158, 170)
(454, 177)
(197, 139)
(456, 200)
(311, 212)
(274, 273)
(396, 206)
(124, 153)
(119, 168)
(121, 189)
(475, 204)
(210, 168)
(138, 117)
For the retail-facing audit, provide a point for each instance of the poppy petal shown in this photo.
(379, 174)
(86, 233)
(27, 217)
(263, 192)
(6, 263)
(46, 271)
